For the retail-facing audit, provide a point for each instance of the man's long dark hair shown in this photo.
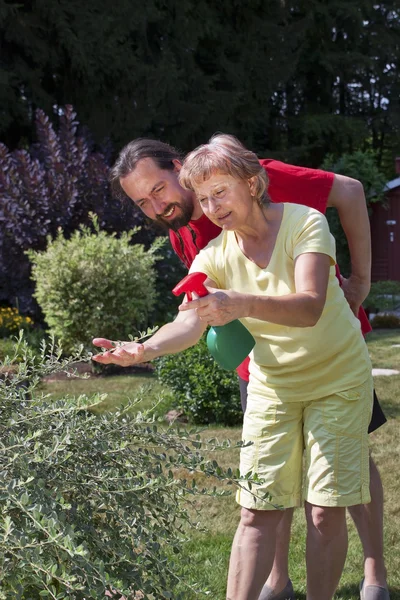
(162, 154)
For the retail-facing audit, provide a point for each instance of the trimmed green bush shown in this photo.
(95, 284)
(385, 322)
(383, 296)
(205, 392)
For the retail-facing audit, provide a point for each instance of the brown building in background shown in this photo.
(385, 233)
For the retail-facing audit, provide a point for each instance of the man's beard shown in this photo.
(185, 214)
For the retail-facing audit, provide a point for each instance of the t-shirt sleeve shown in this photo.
(206, 262)
(298, 185)
(311, 234)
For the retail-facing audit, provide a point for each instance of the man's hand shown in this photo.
(125, 354)
(219, 307)
(355, 291)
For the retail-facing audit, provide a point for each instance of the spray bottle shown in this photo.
(229, 344)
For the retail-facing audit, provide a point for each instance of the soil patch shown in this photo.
(85, 369)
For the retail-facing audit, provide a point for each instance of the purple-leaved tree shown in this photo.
(55, 184)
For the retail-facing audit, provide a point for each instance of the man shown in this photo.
(146, 172)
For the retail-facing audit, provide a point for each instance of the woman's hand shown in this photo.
(124, 354)
(219, 307)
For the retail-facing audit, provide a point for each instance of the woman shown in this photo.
(310, 375)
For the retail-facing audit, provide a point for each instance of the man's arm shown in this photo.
(347, 196)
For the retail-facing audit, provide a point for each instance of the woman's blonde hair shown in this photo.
(224, 153)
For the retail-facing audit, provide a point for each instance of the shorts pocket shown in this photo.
(259, 417)
(344, 412)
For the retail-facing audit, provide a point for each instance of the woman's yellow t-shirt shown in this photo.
(292, 363)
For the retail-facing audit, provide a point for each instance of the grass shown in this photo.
(209, 552)
(117, 390)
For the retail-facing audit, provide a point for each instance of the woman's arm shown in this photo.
(173, 337)
(303, 308)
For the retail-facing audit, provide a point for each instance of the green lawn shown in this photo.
(210, 552)
(117, 390)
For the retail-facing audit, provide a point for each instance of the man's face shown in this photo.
(158, 194)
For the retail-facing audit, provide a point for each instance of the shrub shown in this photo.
(94, 284)
(385, 322)
(6, 347)
(89, 503)
(170, 271)
(55, 183)
(205, 392)
(383, 296)
(11, 321)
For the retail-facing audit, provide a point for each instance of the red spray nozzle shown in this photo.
(194, 282)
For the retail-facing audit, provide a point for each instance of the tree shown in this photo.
(295, 79)
(173, 70)
(341, 94)
(361, 166)
(57, 183)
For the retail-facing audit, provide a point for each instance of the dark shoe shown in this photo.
(286, 594)
(373, 592)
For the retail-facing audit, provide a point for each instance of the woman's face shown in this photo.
(226, 201)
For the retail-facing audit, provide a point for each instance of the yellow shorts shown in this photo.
(333, 434)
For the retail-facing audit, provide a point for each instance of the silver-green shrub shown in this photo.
(95, 284)
(90, 503)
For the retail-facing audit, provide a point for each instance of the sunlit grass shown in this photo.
(117, 390)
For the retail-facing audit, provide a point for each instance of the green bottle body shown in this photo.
(230, 344)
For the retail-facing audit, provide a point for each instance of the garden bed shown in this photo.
(86, 369)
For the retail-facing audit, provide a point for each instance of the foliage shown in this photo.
(171, 70)
(384, 296)
(6, 347)
(94, 284)
(385, 322)
(11, 321)
(342, 92)
(363, 167)
(204, 391)
(88, 503)
(180, 71)
(54, 184)
(35, 336)
(170, 270)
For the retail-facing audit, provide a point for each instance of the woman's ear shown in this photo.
(252, 185)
